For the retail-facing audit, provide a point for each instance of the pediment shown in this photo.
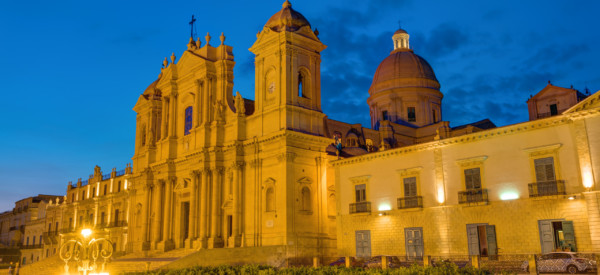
(304, 180)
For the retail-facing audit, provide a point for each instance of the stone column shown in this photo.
(165, 116)
(193, 208)
(158, 211)
(237, 182)
(168, 208)
(592, 201)
(204, 204)
(206, 106)
(145, 221)
(197, 113)
(173, 114)
(215, 236)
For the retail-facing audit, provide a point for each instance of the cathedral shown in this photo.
(215, 171)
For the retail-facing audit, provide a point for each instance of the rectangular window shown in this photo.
(412, 116)
(105, 189)
(119, 186)
(188, 120)
(410, 187)
(482, 239)
(472, 179)
(544, 169)
(385, 116)
(360, 192)
(434, 116)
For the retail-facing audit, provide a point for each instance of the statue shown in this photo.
(338, 144)
(219, 109)
(97, 170)
(239, 104)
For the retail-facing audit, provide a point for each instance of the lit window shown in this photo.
(188, 120)
(300, 88)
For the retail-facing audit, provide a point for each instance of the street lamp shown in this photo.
(86, 250)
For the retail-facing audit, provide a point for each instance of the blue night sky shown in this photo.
(72, 70)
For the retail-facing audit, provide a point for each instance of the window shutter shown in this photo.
(569, 235)
(490, 231)
(410, 187)
(473, 239)
(546, 236)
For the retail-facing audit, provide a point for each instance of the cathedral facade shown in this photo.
(212, 170)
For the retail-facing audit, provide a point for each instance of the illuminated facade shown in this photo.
(526, 188)
(212, 170)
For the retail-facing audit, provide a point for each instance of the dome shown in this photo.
(287, 19)
(403, 68)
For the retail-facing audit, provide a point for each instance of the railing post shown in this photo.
(347, 258)
(532, 264)
(384, 262)
(475, 261)
(426, 261)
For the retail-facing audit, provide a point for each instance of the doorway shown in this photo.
(185, 222)
(414, 242)
(363, 243)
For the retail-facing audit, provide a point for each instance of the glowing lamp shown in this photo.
(510, 195)
(86, 232)
(587, 180)
(384, 207)
(440, 195)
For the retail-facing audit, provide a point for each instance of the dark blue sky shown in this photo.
(72, 70)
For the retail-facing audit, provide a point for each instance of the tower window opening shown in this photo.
(188, 121)
(384, 115)
(300, 85)
(411, 114)
(553, 110)
(434, 116)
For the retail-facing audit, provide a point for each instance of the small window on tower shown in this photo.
(384, 115)
(188, 121)
(411, 114)
(553, 110)
(434, 116)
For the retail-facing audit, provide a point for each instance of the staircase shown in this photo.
(129, 263)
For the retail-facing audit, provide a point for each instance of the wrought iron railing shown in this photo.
(106, 176)
(473, 196)
(117, 224)
(67, 230)
(547, 188)
(84, 182)
(120, 173)
(410, 202)
(360, 207)
(31, 246)
(549, 114)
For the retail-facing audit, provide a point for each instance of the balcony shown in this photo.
(117, 224)
(32, 246)
(547, 188)
(410, 202)
(360, 207)
(473, 196)
(67, 230)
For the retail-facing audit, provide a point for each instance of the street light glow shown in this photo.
(86, 232)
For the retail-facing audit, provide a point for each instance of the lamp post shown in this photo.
(86, 250)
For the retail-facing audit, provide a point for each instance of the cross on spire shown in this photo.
(399, 24)
(192, 26)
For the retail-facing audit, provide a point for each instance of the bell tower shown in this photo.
(288, 74)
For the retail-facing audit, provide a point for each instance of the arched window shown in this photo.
(143, 135)
(305, 199)
(300, 85)
(188, 120)
(270, 199)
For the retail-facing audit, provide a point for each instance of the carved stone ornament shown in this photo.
(305, 180)
(474, 161)
(410, 171)
(543, 150)
(360, 179)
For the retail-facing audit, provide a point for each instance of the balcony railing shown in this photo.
(360, 207)
(31, 246)
(67, 230)
(117, 224)
(473, 196)
(547, 188)
(549, 114)
(410, 202)
(120, 173)
(106, 176)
